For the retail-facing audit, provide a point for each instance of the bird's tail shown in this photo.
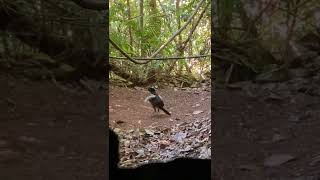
(165, 111)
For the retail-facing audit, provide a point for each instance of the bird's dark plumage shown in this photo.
(156, 101)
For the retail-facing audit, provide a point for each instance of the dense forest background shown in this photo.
(265, 40)
(54, 39)
(262, 40)
(169, 41)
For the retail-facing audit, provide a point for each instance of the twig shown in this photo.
(164, 58)
(230, 70)
(125, 54)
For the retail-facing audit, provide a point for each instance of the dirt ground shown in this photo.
(48, 133)
(249, 130)
(127, 106)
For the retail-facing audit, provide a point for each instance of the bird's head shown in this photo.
(152, 90)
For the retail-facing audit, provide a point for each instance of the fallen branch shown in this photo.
(164, 58)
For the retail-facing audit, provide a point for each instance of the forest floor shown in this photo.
(127, 109)
(49, 133)
(268, 131)
(147, 136)
(263, 131)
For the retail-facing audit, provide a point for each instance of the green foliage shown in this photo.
(159, 24)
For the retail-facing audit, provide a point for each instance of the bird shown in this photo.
(156, 101)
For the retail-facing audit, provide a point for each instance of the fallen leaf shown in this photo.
(164, 144)
(179, 136)
(149, 132)
(140, 153)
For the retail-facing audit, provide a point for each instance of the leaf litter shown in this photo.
(160, 144)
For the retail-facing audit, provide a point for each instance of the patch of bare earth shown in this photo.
(48, 133)
(127, 109)
(266, 137)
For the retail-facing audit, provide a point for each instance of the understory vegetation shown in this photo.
(265, 40)
(160, 42)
